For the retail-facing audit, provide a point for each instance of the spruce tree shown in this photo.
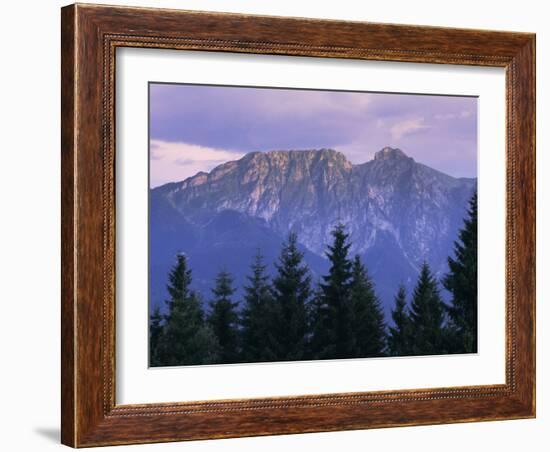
(185, 338)
(179, 282)
(291, 292)
(399, 339)
(461, 281)
(155, 331)
(223, 319)
(334, 335)
(368, 327)
(427, 316)
(319, 335)
(257, 341)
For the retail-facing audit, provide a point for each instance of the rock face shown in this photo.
(399, 213)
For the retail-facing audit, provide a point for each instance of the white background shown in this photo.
(137, 384)
(29, 251)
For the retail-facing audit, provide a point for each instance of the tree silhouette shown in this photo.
(223, 318)
(400, 338)
(185, 338)
(427, 315)
(258, 342)
(461, 281)
(368, 327)
(285, 320)
(155, 331)
(291, 292)
(333, 336)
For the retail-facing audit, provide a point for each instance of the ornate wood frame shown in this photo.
(90, 35)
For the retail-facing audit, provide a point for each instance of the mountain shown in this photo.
(399, 213)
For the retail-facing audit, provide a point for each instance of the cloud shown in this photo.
(445, 116)
(246, 119)
(460, 115)
(358, 152)
(256, 119)
(175, 161)
(312, 104)
(407, 127)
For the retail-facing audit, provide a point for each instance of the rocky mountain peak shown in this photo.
(297, 160)
(389, 153)
(301, 154)
(399, 213)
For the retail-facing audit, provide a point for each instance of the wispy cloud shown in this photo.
(175, 161)
(457, 115)
(244, 119)
(407, 127)
(308, 104)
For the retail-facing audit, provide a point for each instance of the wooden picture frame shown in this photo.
(90, 36)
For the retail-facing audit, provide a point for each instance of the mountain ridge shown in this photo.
(386, 153)
(390, 202)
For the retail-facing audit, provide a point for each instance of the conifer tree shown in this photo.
(333, 335)
(399, 339)
(368, 327)
(179, 281)
(318, 328)
(291, 292)
(155, 331)
(258, 343)
(223, 318)
(427, 315)
(461, 281)
(185, 338)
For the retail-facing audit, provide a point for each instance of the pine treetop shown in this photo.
(223, 288)
(179, 280)
(292, 272)
(291, 293)
(340, 269)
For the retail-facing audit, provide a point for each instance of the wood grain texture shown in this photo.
(67, 224)
(90, 36)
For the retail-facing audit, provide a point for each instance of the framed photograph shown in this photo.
(281, 225)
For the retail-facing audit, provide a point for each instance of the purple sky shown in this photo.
(194, 128)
